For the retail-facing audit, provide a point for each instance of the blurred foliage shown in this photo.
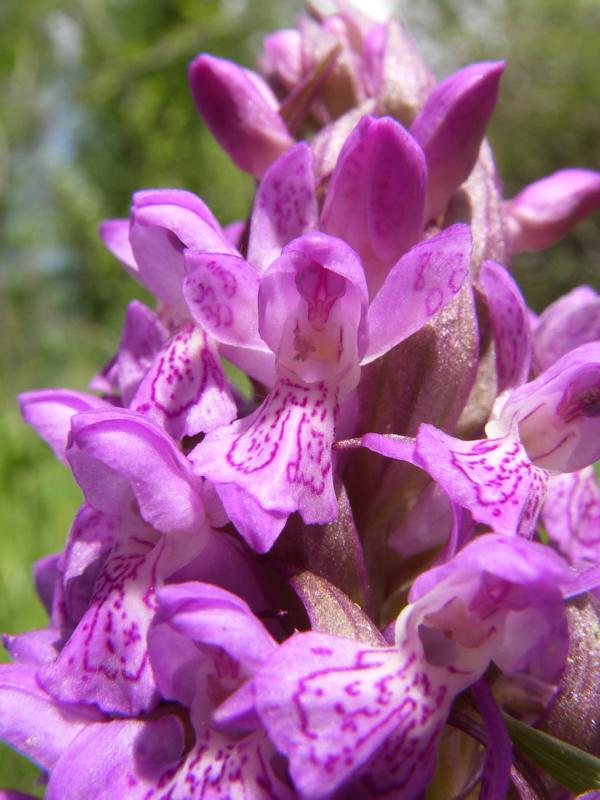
(94, 103)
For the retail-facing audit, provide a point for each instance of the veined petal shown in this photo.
(185, 390)
(221, 292)
(279, 457)
(417, 287)
(376, 195)
(571, 515)
(493, 478)
(204, 642)
(50, 411)
(450, 128)
(510, 325)
(546, 210)
(569, 322)
(332, 706)
(241, 112)
(285, 206)
(110, 452)
(105, 661)
(558, 413)
(142, 337)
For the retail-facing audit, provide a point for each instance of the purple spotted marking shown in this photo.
(220, 769)
(105, 660)
(212, 304)
(257, 447)
(495, 471)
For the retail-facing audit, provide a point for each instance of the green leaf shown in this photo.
(573, 768)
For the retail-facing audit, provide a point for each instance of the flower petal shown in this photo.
(50, 411)
(329, 704)
(546, 210)
(569, 322)
(221, 292)
(450, 128)
(279, 457)
(510, 325)
(571, 515)
(115, 235)
(241, 112)
(142, 337)
(285, 206)
(376, 195)
(31, 721)
(493, 478)
(418, 287)
(185, 391)
(109, 454)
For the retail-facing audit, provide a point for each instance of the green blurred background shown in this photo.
(94, 104)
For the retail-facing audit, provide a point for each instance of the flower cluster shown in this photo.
(286, 590)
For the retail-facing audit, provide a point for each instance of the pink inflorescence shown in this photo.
(287, 590)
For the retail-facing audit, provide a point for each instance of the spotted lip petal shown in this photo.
(185, 390)
(493, 478)
(279, 458)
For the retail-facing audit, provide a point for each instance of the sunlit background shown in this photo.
(94, 104)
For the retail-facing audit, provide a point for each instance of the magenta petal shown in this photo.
(163, 224)
(110, 453)
(50, 411)
(185, 391)
(493, 478)
(329, 704)
(241, 112)
(204, 639)
(510, 324)
(558, 413)
(376, 195)
(31, 721)
(571, 515)
(418, 287)
(115, 235)
(569, 322)
(546, 210)
(221, 292)
(450, 128)
(279, 457)
(142, 337)
(285, 206)
(119, 759)
(219, 767)
(105, 661)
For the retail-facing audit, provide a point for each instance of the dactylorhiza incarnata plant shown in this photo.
(328, 581)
